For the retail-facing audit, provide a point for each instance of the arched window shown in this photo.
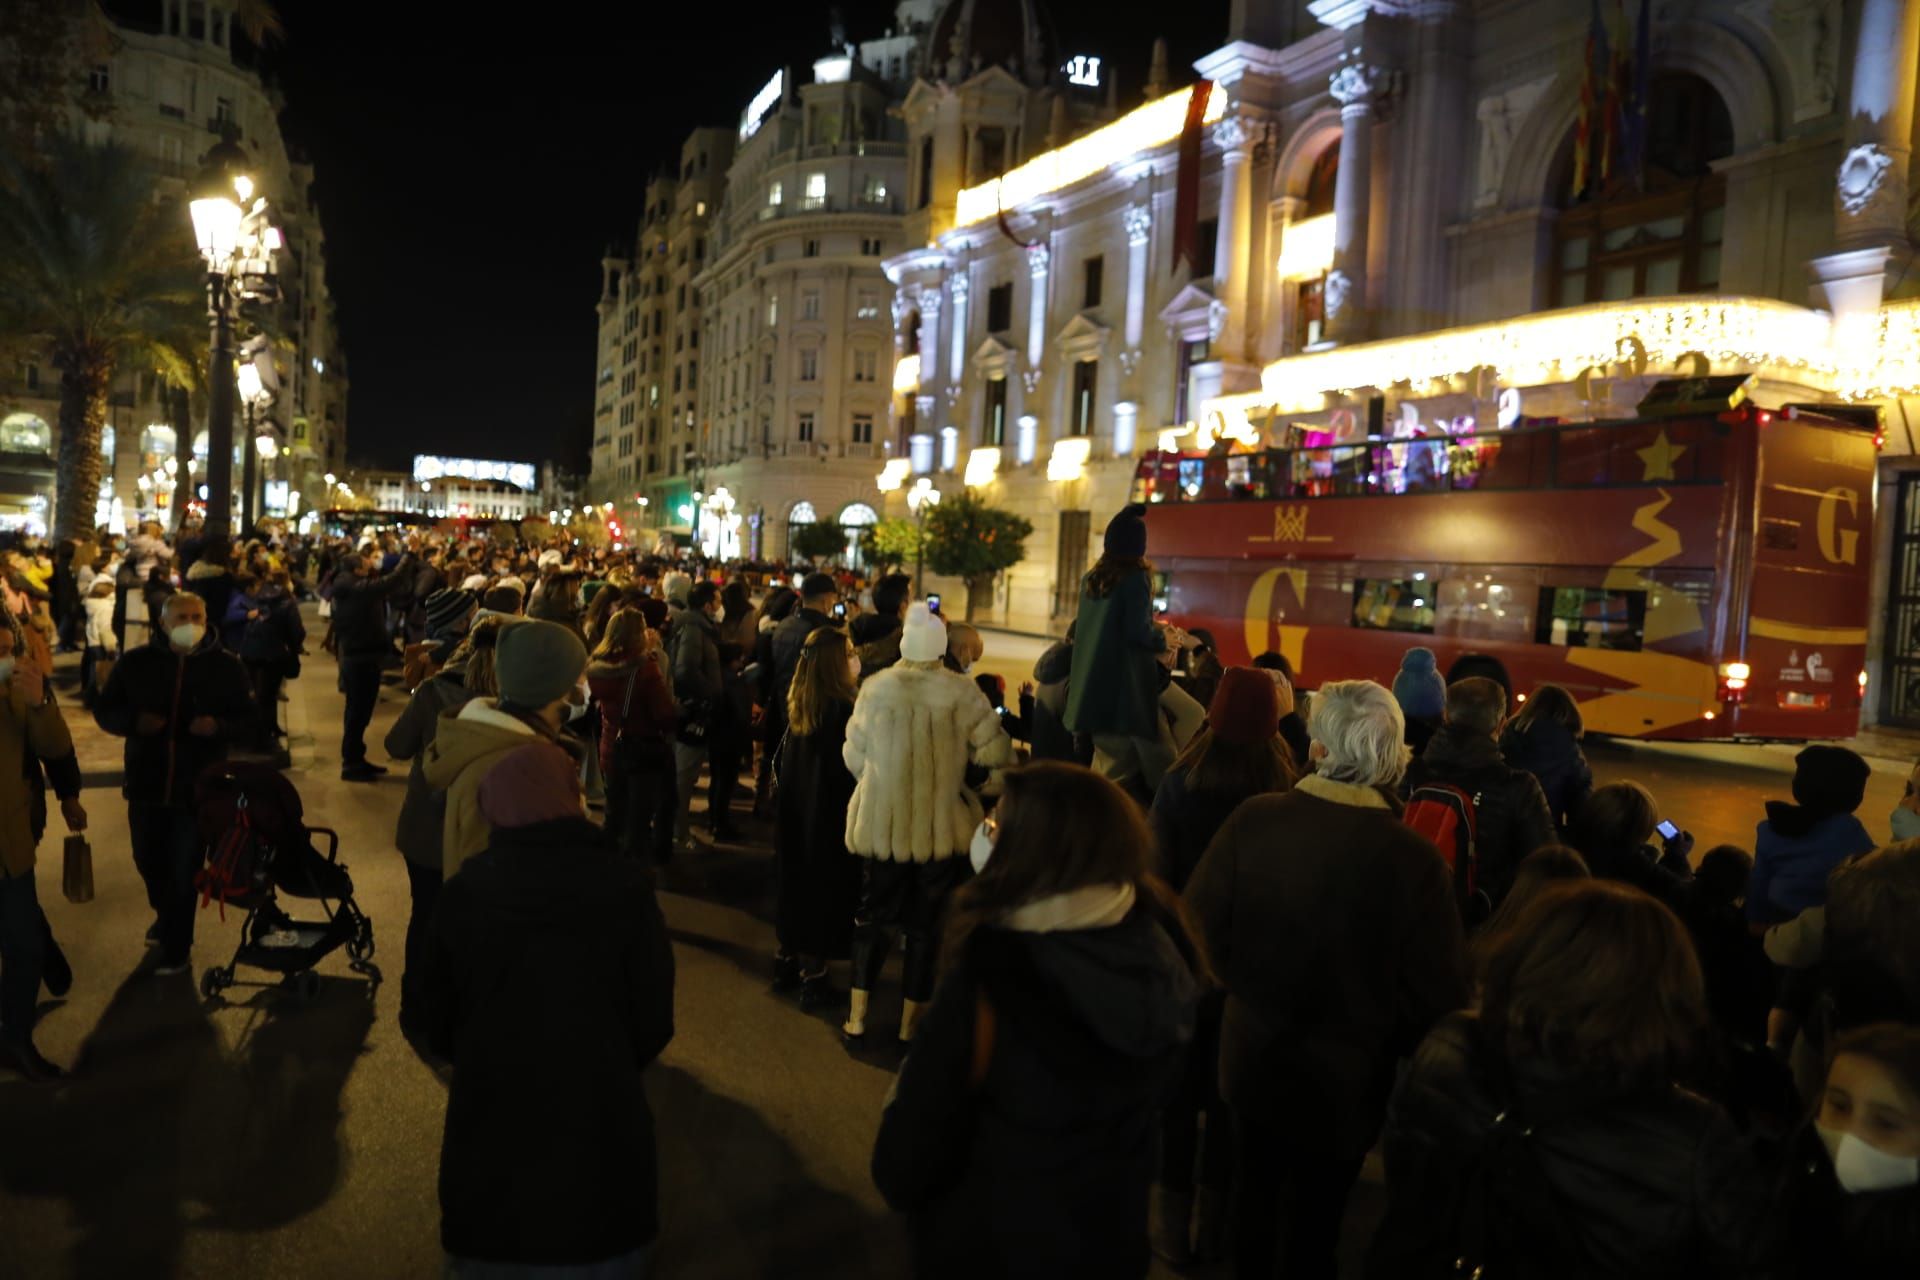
(802, 513)
(25, 433)
(1657, 232)
(1322, 181)
(858, 515)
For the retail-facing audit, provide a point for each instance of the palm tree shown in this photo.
(104, 275)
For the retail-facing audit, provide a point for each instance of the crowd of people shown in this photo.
(1182, 943)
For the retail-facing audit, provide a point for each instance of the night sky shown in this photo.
(472, 169)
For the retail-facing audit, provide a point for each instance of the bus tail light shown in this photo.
(1733, 681)
(1863, 682)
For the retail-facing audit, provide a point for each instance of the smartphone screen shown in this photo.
(1668, 830)
(933, 602)
(840, 610)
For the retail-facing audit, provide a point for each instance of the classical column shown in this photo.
(1872, 182)
(1038, 257)
(930, 299)
(1353, 86)
(957, 286)
(1139, 232)
(1234, 136)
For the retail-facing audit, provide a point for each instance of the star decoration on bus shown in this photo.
(1659, 457)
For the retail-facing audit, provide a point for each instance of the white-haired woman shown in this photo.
(1333, 927)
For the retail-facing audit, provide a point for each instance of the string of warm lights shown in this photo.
(1141, 129)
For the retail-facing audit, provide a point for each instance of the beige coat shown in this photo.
(469, 740)
(37, 730)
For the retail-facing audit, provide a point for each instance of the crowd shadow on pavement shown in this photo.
(741, 1203)
(161, 1130)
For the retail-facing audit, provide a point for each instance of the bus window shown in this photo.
(1480, 609)
(1591, 618)
(1393, 604)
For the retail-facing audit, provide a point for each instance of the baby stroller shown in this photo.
(258, 847)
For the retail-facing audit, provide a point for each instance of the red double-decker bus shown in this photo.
(1686, 578)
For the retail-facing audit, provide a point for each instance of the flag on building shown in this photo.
(1590, 125)
(1186, 183)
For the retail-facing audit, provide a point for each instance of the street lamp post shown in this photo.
(922, 498)
(253, 394)
(230, 226)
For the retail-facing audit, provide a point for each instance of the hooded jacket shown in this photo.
(1607, 1181)
(1512, 817)
(1333, 927)
(180, 688)
(1794, 851)
(914, 728)
(550, 988)
(1030, 1155)
(1549, 751)
(464, 747)
(421, 829)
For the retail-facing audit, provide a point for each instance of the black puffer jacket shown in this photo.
(1513, 819)
(1606, 1181)
(209, 681)
(1553, 756)
(1041, 1168)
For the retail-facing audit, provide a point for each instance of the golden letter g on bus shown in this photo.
(1838, 545)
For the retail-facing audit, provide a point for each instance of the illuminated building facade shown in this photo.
(1398, 235)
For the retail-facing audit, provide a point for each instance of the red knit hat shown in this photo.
(1246, 709)
(535, 783)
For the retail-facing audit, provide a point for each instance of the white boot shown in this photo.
(909, 1015)
(856, 1024)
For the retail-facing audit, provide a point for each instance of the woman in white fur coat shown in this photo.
(915, 728)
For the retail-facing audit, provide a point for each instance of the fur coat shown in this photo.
(914, 728)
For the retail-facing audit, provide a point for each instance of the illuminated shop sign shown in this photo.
(1082, 70)
(762, 102)
(428, 466)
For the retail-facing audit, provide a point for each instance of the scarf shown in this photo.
(1094, 906)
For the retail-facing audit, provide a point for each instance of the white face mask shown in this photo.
(6, 668)
(719, 615)
(982, 847)
(186, 635)
(576, 709)
(1860, 1166)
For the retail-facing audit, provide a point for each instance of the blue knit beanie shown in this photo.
(1418, 688)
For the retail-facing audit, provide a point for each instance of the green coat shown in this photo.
(1115, 685)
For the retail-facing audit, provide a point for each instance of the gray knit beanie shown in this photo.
(537, 662)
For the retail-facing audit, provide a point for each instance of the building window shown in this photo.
(803, 428)
(1309, 313)
(866, 366)
(810, 304)
(773, 310)
(924, 196)
(993, 430)
(223, 110)
(1000, 308)
(866, 305)
(816, 194)
(1094, 271)
(1622, 239)
(1191, 354)
(766, 373)
(873, 190)
(775, 193)
(863, 428)
(99, 79)
(809, 364)
(810, 249)
(870, 246)
(1086, 375)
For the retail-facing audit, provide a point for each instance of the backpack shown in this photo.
(1449, 817)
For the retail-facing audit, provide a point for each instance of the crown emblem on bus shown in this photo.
(1289, 524)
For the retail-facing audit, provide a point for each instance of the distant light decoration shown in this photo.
(837, 69)
(982, 464)
(1144, 127)
(1083, 70)
(761, 103)
(1509, 406)
(893, 475)
(1306, 248)
(1069, 458)
(1126, 416)
(906, 374)
(1557, 346)
(1026, 436)
(949, 448)
(428, 466)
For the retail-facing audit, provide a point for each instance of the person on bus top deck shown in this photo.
(1511, 815)
(1800, 844)
(1114, 690)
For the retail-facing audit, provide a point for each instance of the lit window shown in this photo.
(816, 195)
(774, 195)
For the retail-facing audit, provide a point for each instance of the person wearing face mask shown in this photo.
(1851, 1185)
(694, 649)
(179, 703)
(538, 668)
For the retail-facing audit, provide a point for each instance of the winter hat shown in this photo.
(923, 637)
(1245, 708)
(1828, 780)
(675, 587)
(1127, 533)
(475, 582)
(537, 662)
(535, 783)
(1418, 688)
(447, 604)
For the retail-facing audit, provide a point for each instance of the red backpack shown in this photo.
(1449, 817)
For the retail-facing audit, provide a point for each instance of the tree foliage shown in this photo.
(891, 544)
(969, 539)
(99, 274)
(818, 541)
